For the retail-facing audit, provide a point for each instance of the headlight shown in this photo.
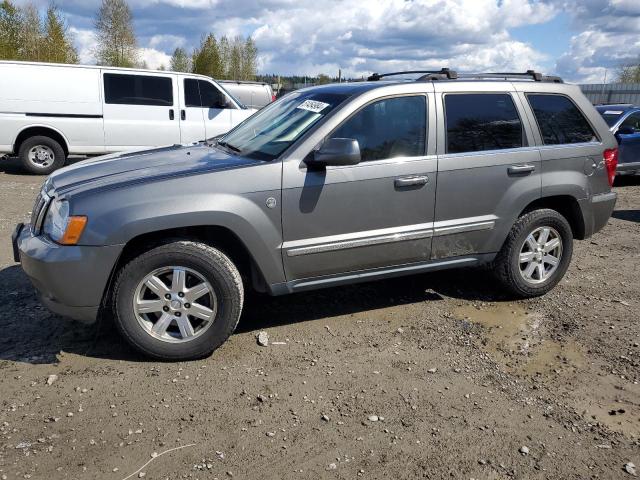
(61, 227)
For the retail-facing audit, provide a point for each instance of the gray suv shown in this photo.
(329, 185)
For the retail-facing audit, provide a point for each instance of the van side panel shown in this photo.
(62, 98)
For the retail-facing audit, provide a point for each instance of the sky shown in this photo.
(580, 40)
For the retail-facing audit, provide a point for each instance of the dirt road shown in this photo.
(432, 376)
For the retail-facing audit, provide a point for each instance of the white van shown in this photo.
(50, 111)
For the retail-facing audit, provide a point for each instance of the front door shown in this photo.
(191, 112)
(216, 107)
(488, 171)
(376, 214)
(140, 110)
(629, 139)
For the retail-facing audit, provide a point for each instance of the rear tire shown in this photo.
(41, 155)
(536, 254)
(159, 312)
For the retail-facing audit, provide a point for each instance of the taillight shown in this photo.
(273, 97)
(610, 157)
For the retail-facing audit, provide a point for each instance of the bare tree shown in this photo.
(629, 73)
(31, 35)
(117, 45)
(180, 61)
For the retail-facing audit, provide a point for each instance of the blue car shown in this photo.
(624, 122)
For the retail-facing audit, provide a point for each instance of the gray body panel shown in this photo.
(338, 225)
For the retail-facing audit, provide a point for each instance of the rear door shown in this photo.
(192, 127)
(139, 109)
(488, 168)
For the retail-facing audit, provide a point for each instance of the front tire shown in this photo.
(41, 155)
(178, 301)
(536, 254)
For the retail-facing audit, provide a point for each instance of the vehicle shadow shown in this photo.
(627, 181)
(32, 334)
(628, 215)
(12, 165)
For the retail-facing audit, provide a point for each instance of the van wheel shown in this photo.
(41, 155)
(536, 254)
(178, 301)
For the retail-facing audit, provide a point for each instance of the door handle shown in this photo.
(183, 115)
(521, 169)
(171, 114)
(412, 181)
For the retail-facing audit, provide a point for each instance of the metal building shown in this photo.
(600, 93)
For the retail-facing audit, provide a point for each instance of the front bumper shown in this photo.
(70, 280)
(628, 168)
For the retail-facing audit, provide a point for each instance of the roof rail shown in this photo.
(427, 74)
(531, 74)
(448, 74)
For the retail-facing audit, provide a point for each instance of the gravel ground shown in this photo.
(431, 376)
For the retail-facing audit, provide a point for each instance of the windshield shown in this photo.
(611, 116)
(272, 130)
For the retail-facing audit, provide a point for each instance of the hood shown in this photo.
(142, 166)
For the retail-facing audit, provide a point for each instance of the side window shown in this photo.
(138, 90)
(191, 93)
(394, 127)
(559, 120)
(211, 96)
(481, 121)
(632, 121)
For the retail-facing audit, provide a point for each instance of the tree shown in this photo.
(58, 42)
(206, 59)
(117, 45)
(323, 79)
(249, 60)
(180, 61)
(31, 35)
(10, 26)
(235, 59)
(629, 73)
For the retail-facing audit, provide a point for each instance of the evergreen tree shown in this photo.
(180, 61)
(58, 42)
(206, 59)
(117, 45)
(10, 26)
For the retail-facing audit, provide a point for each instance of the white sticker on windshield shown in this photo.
(313, 106)
(613, 112)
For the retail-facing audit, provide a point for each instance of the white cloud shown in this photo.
(85, 42)
(154, 58)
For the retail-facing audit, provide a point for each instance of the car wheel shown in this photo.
(178, 301)
(536, 254)
(41, 155)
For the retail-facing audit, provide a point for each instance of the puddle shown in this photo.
(517, 339)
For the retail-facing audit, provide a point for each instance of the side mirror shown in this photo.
(626, 130)
(336, 152)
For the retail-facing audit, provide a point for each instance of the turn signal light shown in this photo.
(75, 227)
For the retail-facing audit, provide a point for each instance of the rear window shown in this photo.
(559, 120)
(611, 116)
(481, 121)
(137, 90)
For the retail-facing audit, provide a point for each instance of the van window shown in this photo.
(481, 121)
(191, 93)
(559, 120)
(138, 90)
(209, 94)
(390, 128)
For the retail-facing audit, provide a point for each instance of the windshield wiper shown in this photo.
(229, 146)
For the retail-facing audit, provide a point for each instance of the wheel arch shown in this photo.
(567, 206)
(43, 130)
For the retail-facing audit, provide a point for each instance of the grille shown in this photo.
(37, 214)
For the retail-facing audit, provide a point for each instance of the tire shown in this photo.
(512, 273)
(29, 149)
(169, 339)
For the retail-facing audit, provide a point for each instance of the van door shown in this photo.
(216, 108)
(488, 171)
(139, 110)
(191, 114)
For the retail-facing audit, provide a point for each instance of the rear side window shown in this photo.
(191, 93)
(559, 120)
(481, 121)
(138, 90)
(394, 127)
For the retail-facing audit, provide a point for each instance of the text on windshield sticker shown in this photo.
(313, 106)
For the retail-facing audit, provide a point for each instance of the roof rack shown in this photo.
(448, 74)
(427, 74)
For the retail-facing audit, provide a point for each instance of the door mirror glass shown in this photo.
(336, 152)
